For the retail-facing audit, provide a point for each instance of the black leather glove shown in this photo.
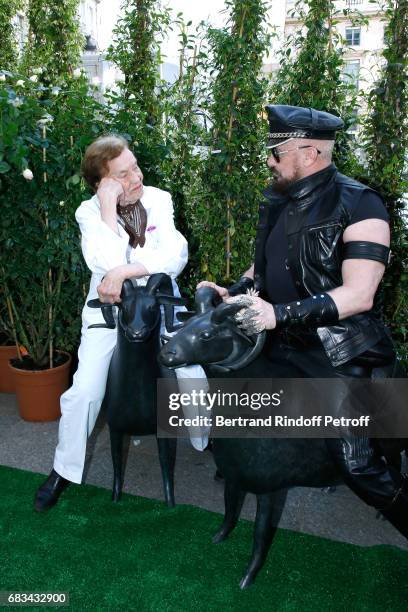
(241, 286)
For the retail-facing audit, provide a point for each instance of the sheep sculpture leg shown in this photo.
(233, 499)
(116, 440)
(268, 512)
(167, 456)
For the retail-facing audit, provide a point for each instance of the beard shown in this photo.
(282, 184)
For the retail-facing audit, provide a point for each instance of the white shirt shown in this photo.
(165, 249)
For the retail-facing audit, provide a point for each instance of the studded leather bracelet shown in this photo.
(316, 311)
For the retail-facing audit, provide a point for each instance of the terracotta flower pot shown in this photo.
(6, 377)
(38, 391)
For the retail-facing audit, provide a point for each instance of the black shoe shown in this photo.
(397, 511)
(49, 492)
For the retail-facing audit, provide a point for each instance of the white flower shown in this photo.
(28, 175)
(20, 82)
(132, 97)
(2, 77)
(77, 72)
(55, 91)
(33, 78)
(16, 102)
(47, 118)
(62, 203)
(38, 70)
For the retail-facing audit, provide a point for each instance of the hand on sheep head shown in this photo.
(256, 314)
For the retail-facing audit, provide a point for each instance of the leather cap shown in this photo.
(286, 122)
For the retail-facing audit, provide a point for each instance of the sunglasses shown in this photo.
(277, 154)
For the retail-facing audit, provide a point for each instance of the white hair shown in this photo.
(325, 147)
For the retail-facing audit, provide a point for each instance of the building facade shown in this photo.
(97, 19)
(362, 42)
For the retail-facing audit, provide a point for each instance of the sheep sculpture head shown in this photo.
(211, 337)
(139, 310)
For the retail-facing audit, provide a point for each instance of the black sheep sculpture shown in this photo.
(266, 467)
(131, 395)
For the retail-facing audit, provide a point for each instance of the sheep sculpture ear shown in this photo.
(169, 301)
(107, 309)
(107, 313)
(94, 303)
(224, 311)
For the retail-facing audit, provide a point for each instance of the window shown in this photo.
(21, 32)
(351, 72)
(353, 37)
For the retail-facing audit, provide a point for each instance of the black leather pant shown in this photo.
(363, 468)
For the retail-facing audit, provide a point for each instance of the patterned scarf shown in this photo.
(134, 217)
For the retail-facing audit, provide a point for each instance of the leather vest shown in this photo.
(319, 209)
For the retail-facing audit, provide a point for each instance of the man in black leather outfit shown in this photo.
(321, 249)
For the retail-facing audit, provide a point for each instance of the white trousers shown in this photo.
(80, 405)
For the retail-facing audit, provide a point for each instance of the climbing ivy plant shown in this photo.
(136, 51)
(386, 143)
(232, 176)
(201, 137)
(311, 71)
(8, 39)
(140, 101)
(54, 42)
(184, 126)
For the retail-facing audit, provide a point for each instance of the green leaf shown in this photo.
(4, 167)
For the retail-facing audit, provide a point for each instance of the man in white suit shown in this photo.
(127, 231)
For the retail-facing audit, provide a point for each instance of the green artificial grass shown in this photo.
(139, 555)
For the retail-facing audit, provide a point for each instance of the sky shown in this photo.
(194, 10)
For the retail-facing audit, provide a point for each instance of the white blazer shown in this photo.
(165, 249)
